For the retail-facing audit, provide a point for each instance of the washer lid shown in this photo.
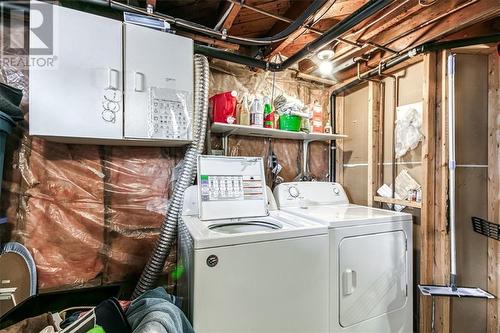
(348, 215)
(228, 232)
(231, 187)
(244, 226)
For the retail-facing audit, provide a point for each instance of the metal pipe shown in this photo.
(451, 167)
(233, 57)
(394, 117)
(333, 144)
(313, 8)
(372, 23)
(261, 11)
(287, 20)
(337, 30)
(223, 18)
(427, 47)
(426, 23)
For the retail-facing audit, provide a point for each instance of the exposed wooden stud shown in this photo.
(339, 128)
(442, 253)
(211, 41)
(395, 201)
(307, 66)
(474, 13)
(374, 168)
(427, 214)
(315, 79)
(341, 9)
(493, 188)
(228, 22)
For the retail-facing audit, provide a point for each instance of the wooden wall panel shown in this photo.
(374, 137)
(472, 187)
(339, 128)
(441, 248)
(410, 91)
(427, 212)
(355, 148)
(493, 188)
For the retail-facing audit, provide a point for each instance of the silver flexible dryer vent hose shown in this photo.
(168, 231)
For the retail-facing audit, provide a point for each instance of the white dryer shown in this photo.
(370, 257)
(247, 269)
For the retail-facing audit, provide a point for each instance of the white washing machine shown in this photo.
(247, 269)
(370, 257)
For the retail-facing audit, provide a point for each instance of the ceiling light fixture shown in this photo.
(326, 67)
(326, 54)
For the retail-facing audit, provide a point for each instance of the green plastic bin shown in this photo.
(290, 122)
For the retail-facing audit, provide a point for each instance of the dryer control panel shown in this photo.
(298, 194)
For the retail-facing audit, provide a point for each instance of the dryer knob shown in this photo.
(293, 191)
(336, 190)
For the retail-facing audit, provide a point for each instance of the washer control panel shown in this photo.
(298, 194)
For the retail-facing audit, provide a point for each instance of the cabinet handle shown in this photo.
(349, 281)
(139, 82)
(113, 76)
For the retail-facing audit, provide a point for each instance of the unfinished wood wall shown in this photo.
(478, 173)
(469, 315)
(355, 147)
(356, 124)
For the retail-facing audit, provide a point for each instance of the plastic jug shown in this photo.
(223, 107)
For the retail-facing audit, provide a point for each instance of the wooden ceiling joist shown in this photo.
(341, 9)
(231, 17)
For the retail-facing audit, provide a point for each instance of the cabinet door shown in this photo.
(158, 84)
(372, 276)
(82, 95)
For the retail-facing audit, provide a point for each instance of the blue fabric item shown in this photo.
(155, 311)
(70, 319)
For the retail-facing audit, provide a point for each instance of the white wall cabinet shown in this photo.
(157, 71)
(113, 83)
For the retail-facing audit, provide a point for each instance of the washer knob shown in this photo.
(336, 191)
(293, 191)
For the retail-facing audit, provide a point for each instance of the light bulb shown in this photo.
(326, 67)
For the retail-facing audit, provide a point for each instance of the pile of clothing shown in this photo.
(154, 311)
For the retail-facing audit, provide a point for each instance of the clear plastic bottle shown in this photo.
(244, 111)
(257, 114)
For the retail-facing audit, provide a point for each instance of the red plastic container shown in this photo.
(223, 107)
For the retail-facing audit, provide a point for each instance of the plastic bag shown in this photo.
(408, 128)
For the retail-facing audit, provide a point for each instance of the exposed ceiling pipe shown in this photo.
(222, 35)
(223, 18)
(349, 62)
(340, 28)
(427, 47)
(426, 23)
(287, 20)
(337, 30)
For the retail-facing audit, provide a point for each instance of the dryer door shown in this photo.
(372, 276)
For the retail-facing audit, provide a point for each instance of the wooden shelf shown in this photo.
(231, 129)
(400, 202)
